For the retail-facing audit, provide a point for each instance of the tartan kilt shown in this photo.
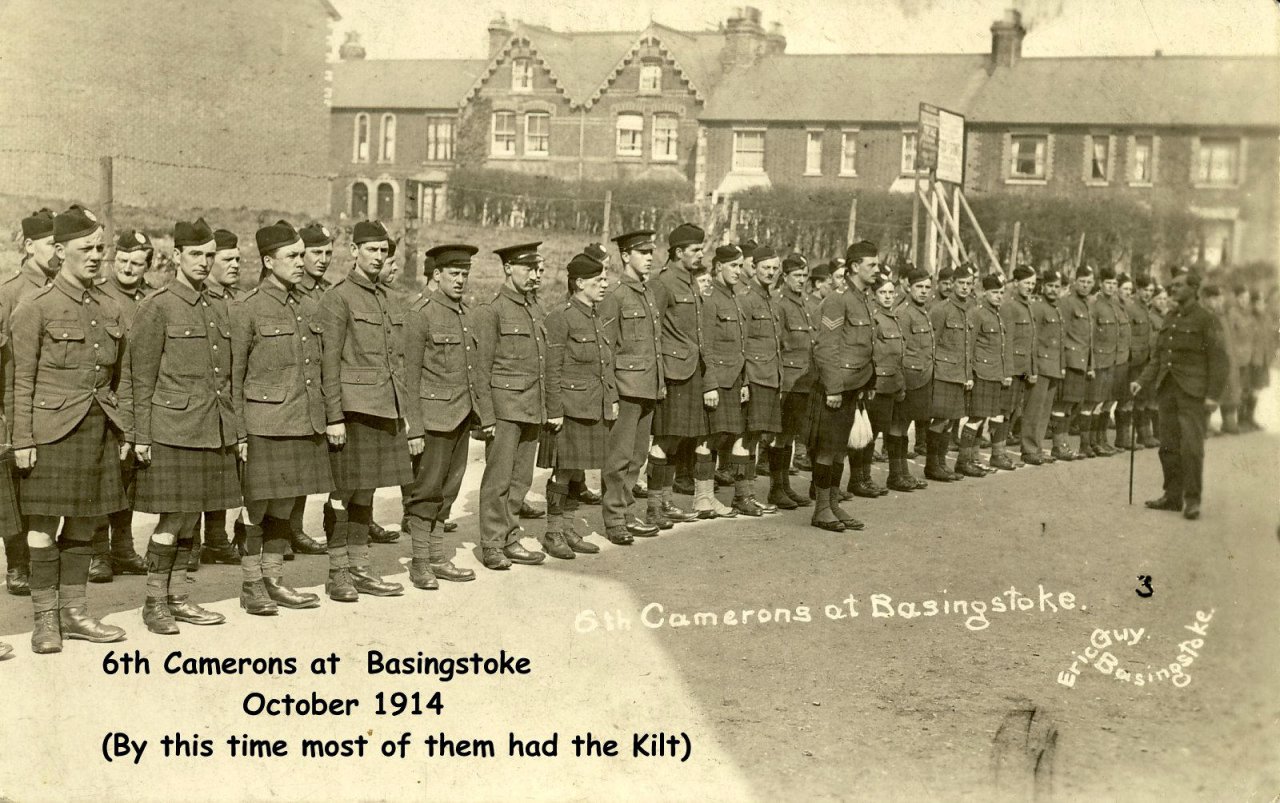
(581, 444)
(1259, 375)
(77, 475)
(947, 402)
(917, 406)
(182, 480)
(989, 398)
(1075, 386)
(1018, 394)
(728, 416)
(798, 415)
(1119, 383)
(681, 414)
(764, 409)
(286, 467)
(882, 409)
(1098, 388)
(830, 433)
(10, 518)
(376, 455)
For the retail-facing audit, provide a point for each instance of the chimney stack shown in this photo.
(775, 41)
(351, 48)
(744, 38)
(1006, 40)
(499, 32)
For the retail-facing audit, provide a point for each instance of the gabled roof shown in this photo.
(582, 64)
(1145, 90)
(846, 88)
(404, 83)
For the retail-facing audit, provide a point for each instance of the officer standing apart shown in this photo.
(277, 392)
(187, 436)
(126, 288)
(582, 390)
(447, 396)
(513, 349)
(362, 375)
(630, 315)
(1189, 373)
(67, 341)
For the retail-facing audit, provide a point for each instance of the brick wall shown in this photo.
(236, 85)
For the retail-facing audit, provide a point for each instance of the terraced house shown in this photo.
(730, 109)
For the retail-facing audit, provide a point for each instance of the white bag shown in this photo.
(860, 434)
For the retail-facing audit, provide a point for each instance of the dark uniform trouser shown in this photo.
(437, 473)
(628, 449)
(508, 473)
(1183, 422)
(1036, 409)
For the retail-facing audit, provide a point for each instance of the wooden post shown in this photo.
(853, 222)
(608, 216)
(934, 229)
(1080, 250)
(973, 219)
(931, 237)
(731, 233)
(106, 198)
(1013, 249)
(952, 224)
(915, 222)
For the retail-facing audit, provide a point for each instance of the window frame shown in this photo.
(527, 73)
(530, 152)
(1109, 170)
(434, 124)
(387, 142)
(356, 156)
(1014, 177)
(1237, 177)
(1130, 153)
(494, 153)
(636, 134)
(902, 154)
(736, 165)
(657, 154)
(809, 137)
(848, 135)
(649, 68)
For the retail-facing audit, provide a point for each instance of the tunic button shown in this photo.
(187, 332)
(308, 381)
(277, 330)
(304, 338)
(216, 369)
(307, 361)
(95, 345)
(93, 323)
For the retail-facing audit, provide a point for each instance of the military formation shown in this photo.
(199, 400)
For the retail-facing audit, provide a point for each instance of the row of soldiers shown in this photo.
(185, 401)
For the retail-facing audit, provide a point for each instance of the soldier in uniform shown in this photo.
(819, 284)
(317, 242)
(579, 492)
(1260, 355)
(512, 343)
(691, 389)
(1041, 414)
(763, 351)
(1020, 346)
(1079, 359)
(67, 427)
(726, 363)
(1138, 327)
(888, 349)
(952, 374)
(186, 431)
(992, 394)
(1106, 344)
(278, 393)
(1144, 404)
(447, 398)
(362, 374)
(798, 321)
(918, 355)
(582, 391)
(1189, 373)
(631, 317)
(36, 271)
(843, 355)
(1240, 336)
(946, 283)
(224, 285)
(126, 288)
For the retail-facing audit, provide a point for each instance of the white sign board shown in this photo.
(950, 147)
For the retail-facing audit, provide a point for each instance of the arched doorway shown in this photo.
(386, 201)
(359, 201)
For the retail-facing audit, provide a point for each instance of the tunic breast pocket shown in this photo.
(635, 325)
(581, 348)
(727, 327)
(367, 329)
(515, 340)
(275, 339)
(110, 349)
(445, 354)
(65, 341)
(186, 349)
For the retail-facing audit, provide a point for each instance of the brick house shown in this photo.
(230, 86)
(1194, 131)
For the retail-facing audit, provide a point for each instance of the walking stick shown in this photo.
(1133, 436)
